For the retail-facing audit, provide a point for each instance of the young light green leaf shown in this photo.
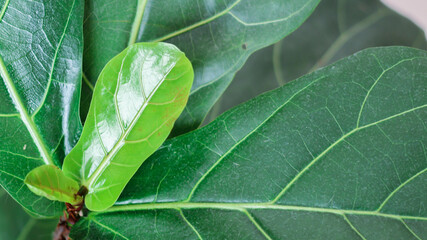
(337, 154)
(49, 181)
(40, 79)
(138, 96)
(217, 36)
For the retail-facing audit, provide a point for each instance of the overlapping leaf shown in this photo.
(40, 70)
(336, 29)
(139, 95)
(217, 36)
(339, 28)
(337, 154)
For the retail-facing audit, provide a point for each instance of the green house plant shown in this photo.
(338, 153)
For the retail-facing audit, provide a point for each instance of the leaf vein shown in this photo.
(55, 58)
(259, 206)
(109, 229)
(23, 112)
(255, 223)
(341, 139)
(189, 224)
(352, 227)
(409, 229)
(400, 187)
(375, 83)
(244, 138)
(105, 161)
(3, 10)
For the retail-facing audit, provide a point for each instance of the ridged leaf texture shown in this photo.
(40, 70)
(217, 36)
(337, 154)
(139, 95)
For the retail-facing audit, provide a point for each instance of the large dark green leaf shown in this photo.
(40, 70)
(216, 35)
(15, 223)
(336, 29)
(337, 154)
(139, 95)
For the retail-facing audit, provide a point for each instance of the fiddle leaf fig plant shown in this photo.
(339, 153)
(336, 154)
(141, 92)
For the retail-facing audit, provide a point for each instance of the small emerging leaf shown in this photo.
(138, 96)
(50, 182)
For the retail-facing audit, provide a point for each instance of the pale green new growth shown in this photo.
(138, 96)
(49, 181)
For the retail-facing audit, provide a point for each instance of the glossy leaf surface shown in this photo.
(336, 29)
(15, 223)
(337, 154)
(217, 36)
(40, 71)
(49, 181)
(139, 95)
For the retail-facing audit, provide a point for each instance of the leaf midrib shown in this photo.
(105, 161)
(3, 10)
(272, 204)
(25, 117)
(356, 129)
(53, 189)
(137, 22)
(193, 190)
(341, 139)
(243, 206)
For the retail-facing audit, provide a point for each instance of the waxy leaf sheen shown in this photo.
(337, 154)
(216, 35)
(41, 48)
(49, 181)
(138, 96)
